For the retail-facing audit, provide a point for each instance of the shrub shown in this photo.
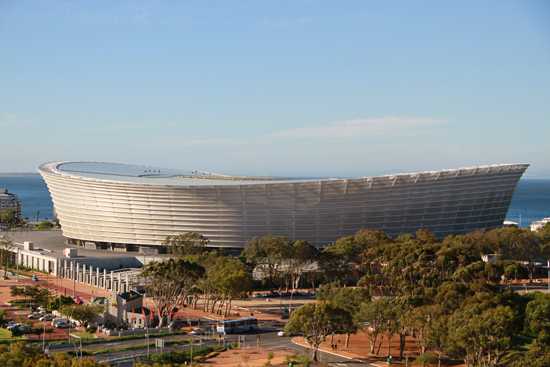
(299, 360)
(426, 359)
(44, 226)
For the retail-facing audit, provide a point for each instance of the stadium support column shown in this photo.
(118, 283)
(97, 276)
(104, 279)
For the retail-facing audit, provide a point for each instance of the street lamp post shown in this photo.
(44, 336)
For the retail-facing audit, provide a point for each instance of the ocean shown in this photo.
(531, 199)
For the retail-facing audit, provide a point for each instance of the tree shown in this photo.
(342, 260)
(267, 253)
(60, 301)
(85, 314)
(9, 217)
(186, 244)
(374, 315)
(425, 236)
(301, 255)
(315, 321)
(6, 247)
(44, 225)
(514, 243)
(537, 314)
(33, 294)
(420, 321)
(169, 283)
(482, 336)
(26, 355)
(345, 298)
(226, 279)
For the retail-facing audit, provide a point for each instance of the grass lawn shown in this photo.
(6, 334)
(84, 335)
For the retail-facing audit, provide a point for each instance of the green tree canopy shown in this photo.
(186, 244)
(85, 314)
(315, 321)
(169, 283)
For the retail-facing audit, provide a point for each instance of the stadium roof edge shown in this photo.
(148, 175)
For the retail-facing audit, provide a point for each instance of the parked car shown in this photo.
(197, 331)
(63, 324)
(34, 316)
(47, 317)
(34, 278)
(57, 321)
(12, 324)
(20, 329)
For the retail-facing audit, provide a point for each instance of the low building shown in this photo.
(128, 310)
(539, 224)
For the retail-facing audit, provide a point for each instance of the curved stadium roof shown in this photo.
(149, 175)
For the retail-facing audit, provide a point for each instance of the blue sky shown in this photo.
(307, 88)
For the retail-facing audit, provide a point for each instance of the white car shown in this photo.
(34, 316)
(280, 333)
(47, 317)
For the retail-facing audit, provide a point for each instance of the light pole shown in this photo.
(80, 340)
(44, 336)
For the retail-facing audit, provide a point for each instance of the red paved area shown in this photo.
(56, 286)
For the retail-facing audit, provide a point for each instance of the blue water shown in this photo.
(33, 193)
(531, 199)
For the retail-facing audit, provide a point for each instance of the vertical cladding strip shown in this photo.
(112, 212)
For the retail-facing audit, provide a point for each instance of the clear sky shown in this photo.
(307, 88)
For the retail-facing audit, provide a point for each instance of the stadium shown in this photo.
(124, 207)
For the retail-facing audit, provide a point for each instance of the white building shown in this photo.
(124, 207)
(539, 224)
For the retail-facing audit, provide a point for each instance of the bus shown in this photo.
(237, 326)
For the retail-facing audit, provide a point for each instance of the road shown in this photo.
(267, 338)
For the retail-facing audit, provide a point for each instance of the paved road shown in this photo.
(115, 344)
(267, 339)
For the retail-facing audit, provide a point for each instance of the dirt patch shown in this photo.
(250, 357)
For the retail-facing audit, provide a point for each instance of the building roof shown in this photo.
(147, 175)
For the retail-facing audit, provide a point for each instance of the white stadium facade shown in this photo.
(133, 208)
